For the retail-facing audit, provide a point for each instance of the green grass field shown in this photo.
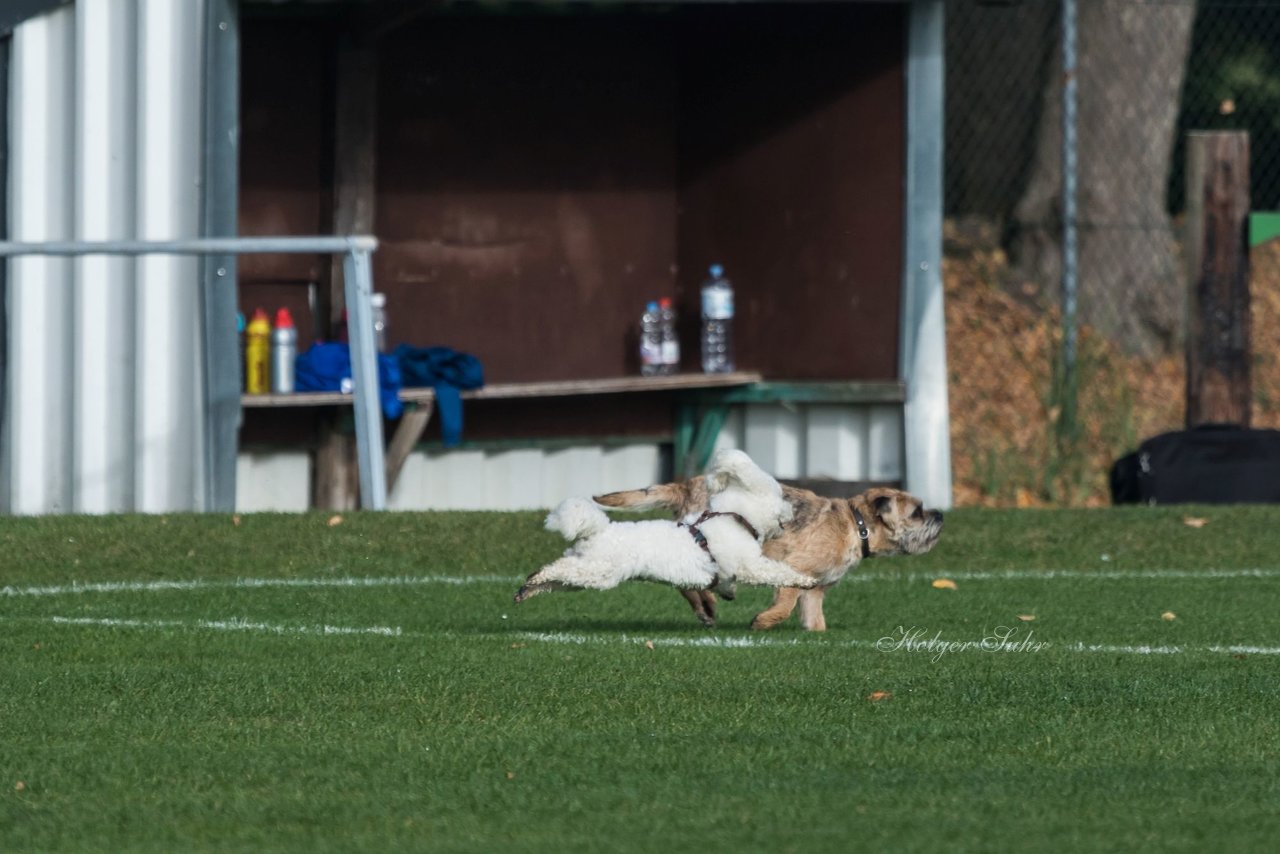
(190, 684)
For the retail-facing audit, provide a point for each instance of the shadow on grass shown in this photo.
(623, 626)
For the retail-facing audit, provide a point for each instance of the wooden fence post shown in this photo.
(1218, 351)
(335, 479)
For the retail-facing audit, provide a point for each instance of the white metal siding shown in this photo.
(103, 359)
(520, 479)
(820, 441)
(39, 411)
(848, 442)
(168, 428)
(278, 481)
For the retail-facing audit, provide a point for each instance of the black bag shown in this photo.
(1212, 464)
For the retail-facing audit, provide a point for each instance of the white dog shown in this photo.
(718, 547)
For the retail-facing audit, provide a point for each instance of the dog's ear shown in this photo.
(882, 506)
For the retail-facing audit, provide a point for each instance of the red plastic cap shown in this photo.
(284, 320)
(665, 302)
(260, 313)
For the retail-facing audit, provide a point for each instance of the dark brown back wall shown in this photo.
(526, 192)
(791, 156)
(540, 177)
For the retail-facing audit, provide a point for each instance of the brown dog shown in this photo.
(825, 539)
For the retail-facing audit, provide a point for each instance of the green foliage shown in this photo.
(1233, 83)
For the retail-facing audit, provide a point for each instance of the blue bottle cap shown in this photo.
(716, 271)
(653, 306)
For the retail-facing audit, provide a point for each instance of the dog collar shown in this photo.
(863, 534)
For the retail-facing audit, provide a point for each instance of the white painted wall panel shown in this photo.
(572, 471)
(168, 374)
(105, 326)
(884, 435)
(513, 479)
(409, 492)
(456, 481)
(857, 442)
(38, 412)
(279, 481)
(629, 467)
(775, 438)
(836, 446)
(517, 479)
(104, 388)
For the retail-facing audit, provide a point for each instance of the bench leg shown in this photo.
(713, 418)
(408, 433)
(335, 483)
(697, 428)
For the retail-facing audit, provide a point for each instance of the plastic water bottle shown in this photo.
(650, 341)
(284, 353)
(379, 303)
(717, 323)
(670, 341)
(257, 353)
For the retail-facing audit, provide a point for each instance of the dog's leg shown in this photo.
(811, 609)
(530, 589)
(784, 602)
(771, 573)
(703, 603)
(569, 571)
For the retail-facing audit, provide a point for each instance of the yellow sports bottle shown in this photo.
(257, 354)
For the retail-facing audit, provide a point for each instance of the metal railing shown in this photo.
(358, 287)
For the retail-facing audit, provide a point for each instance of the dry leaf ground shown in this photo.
(1001, 348)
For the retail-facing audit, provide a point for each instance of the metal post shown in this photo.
(923, 351)
(5, 51)
(359, 289)
(1069, 379)
(221, 359)
(357, 280)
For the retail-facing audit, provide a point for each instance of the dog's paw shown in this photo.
(759, 625)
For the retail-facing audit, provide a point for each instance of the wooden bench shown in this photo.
(699, 412)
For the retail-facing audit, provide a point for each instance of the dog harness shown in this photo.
(863, 534)
(701, 538)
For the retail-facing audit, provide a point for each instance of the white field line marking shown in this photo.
(711, 641)
(704, 641)
(762, 642)
(1075, 575)
(1173, 650)
(248, 584)
(233, 625)
(422, 580)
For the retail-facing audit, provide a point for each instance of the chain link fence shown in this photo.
(1029, 428)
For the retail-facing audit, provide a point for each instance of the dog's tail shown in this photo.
(677, 497)
(577, 518)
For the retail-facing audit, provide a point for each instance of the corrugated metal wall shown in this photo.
(104, 389)
(844, 442)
